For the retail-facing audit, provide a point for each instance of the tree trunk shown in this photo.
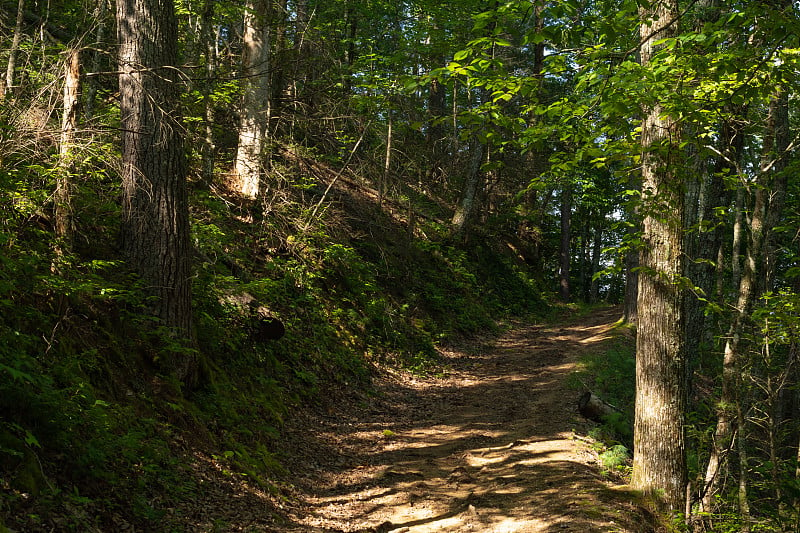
(565, 251)
(252, 125)
(466, 206)
(630, 305)
(155, 220)
(584, 277)
(630, 312)
(207, 37)
(597, 248)
(387, 162)
(659, 463)
(62, 197)
(773, 163)
(12, 53)
(92, 84)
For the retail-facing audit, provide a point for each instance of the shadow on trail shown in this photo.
(488, 448)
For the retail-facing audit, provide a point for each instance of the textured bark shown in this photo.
(659, 464)
(12, 53)
(62, 197)
(253, 122)
(466, 206)
(155, 226)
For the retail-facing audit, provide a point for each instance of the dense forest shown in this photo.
(214, 214)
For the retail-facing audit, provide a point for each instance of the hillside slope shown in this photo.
(96, 434)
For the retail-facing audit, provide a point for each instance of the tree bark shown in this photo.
(564, 290)
(155, 225)
(12, 53)
(597, 248)
(659, 463)
(387, 161)
(65, 187)
(466, 206)
(630, 305)
(92, 84)
(762, 216)
(207, 38)
(255, 98)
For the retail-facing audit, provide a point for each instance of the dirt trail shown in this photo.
(491, 447)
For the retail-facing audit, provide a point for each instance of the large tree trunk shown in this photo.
(253, 123)
(155, 226)
(659, 463)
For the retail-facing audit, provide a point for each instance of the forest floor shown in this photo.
(492, 444)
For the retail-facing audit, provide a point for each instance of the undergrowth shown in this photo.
(610, 373)
(96, 433)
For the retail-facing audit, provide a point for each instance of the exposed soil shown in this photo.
(494, 445)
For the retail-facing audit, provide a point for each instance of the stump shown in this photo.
(266, 327)
(594, 408)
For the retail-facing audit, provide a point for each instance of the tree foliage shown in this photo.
(423, 168)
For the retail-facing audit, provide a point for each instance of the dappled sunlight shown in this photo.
(488, 448)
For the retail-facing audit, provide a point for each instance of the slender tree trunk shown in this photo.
(155, 226)
(252, 126)
(302, 53)
(387, 161)
(659, 463)
(12, 53)
(92, 83)
(744, 471)
(597, 247)
(794, 356)
(773, 162)
(630, 304)
(278, 64)
(207, 33)
(565, 251)
(584, 278)
(65, 187)
(779, 125)
(466, 206)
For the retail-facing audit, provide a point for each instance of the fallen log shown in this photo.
(595, 408)
(259, 321)
(266, 328)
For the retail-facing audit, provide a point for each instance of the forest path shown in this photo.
(489, 447)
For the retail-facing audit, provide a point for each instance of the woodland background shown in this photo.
(375, 179)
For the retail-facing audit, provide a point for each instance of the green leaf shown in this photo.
(31, 440)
